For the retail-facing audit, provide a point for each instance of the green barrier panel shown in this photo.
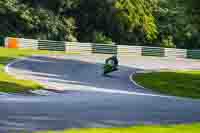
(2, 41)
(104, 49)
(153, 51)
(193, 54)
(51, 45)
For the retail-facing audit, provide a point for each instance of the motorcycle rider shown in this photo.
(113, 62)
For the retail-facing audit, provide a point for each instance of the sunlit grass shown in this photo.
(192, 128)
(177, 83)
(11, 84)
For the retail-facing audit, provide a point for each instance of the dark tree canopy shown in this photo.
(168, 23)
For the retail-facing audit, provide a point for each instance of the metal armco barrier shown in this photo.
(104, 48)
(193, 54)
(124, 50)
(28, 43)
(153, 51)
(51, 45)
(92, 48)
(176, 53)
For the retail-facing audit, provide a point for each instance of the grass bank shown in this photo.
(192, 128)
(9, 83)
(178, 83)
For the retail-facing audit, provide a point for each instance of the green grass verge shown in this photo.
(192, 128)
(179, 83)
(10, 84)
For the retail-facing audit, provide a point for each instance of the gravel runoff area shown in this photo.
(89, 99)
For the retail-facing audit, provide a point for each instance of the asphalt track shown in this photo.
(84, 98)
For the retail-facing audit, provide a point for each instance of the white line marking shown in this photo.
(7, 67)
(93, 89)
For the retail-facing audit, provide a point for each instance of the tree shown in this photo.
(179, 19)
(155, 22)
(137, 14)
(22, 19)
(123, 21)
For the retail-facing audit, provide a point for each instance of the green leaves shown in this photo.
(122, 21)
(99, 37)
(178, 19)
(34, 21)
(137, 14)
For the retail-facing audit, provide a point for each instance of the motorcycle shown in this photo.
(111, 65)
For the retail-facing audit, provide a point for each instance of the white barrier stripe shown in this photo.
(104, 48)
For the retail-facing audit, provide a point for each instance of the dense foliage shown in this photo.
(168, 23)
(35, 19)
(179, 22)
